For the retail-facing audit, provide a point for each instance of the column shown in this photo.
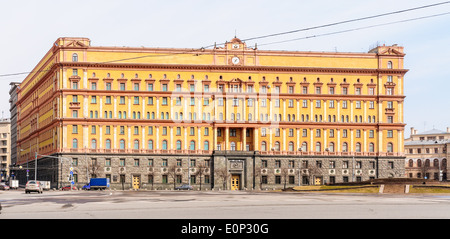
(244, 138)
(227, 133)
(214, 145)
(255, 139)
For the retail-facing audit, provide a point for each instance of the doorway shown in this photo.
(318, 181)
(235, 182)
(136, 182)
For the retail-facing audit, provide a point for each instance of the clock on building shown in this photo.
(235, 60)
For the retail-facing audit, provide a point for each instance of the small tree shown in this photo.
(223, 174)
(172, 173)
(284, 175)
(201, 171)
(94, 168)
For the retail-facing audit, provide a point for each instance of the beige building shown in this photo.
(427, 154)
(5, 149)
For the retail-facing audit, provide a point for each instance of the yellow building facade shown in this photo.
(326, 117)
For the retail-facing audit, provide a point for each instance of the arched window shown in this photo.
(436, 163)
(150, 144)
(304, 147)
(74, 57)
(263, 146)
(164, 144)
(318, 148)
(390, 147)
(344, 147)
(136, 144)
(192, 145)
(108, 144)
(389, 65)
(93, 144)
(419, 163)
(427, 163)
(178, 145)
(277, 146)
(122, 144)
(371, 147)
(206, 145)
(331, 147)
(74, 143)
(358, 147)
(411, 163)
(291, 146)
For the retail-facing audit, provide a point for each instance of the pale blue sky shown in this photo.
(29, 28)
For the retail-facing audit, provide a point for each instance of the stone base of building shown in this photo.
(222, 170)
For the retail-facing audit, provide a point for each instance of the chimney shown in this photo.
(448, 129)
(412, 130)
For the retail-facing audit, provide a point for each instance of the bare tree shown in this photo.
(223, 174)
(172, 173)
(284, 175)
(425, 168)
(314, 170)
(94, 168)
(201, 171)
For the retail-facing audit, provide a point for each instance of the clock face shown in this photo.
(235, 60)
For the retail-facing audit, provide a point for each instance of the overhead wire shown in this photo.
(354, 29)
(347, 21)
(195, 50)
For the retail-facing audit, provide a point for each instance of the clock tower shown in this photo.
(235, 53)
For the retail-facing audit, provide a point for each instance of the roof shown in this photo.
(427, 142)
(433, 131)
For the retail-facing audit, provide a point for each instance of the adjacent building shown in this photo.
(5, 149)
(427, 154)
(229, 117)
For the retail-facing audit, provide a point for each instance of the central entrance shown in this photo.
(235, 182)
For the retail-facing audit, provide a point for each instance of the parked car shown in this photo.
(4, 186)
(33, 186)
(67, 188)
(184, 187)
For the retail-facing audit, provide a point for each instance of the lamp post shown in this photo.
(35, 165)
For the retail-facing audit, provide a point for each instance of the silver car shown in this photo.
(33, 186)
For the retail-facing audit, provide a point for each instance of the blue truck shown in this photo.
(97, 183)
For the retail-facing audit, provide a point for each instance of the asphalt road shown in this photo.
(219, 205)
